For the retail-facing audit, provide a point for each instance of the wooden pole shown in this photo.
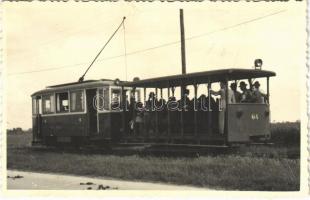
(210, 130)
(195, 110)
(226, 113)
(145, 131)
(183, 57)
(168, 110)
(268, 93)
(156, 113)
(124, 111)
(182, 42)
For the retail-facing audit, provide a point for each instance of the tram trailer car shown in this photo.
(101, 111)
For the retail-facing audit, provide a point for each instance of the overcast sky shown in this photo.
(53, 43)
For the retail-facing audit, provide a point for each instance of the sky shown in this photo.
(53, 43)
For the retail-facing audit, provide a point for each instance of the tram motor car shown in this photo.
(101, 112)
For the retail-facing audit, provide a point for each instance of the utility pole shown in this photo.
(183, 58)
(182, 42)
(183, 68)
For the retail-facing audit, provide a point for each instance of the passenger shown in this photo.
(161, 108)
(150, 120)
(115, 104)
(258, 95)
(132, 112)
(126, 103)
(246, 95)
(186, 103)
(231, 99)
(160, 104)
(233, 87)
(127, 115)
(214, 121)
(205, 105)
(139, 119)
(222, 93)
(149, 104)
(172, 106)
(202, 106)
(188, 115)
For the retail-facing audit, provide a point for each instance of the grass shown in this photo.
(286, 133)
(19, 140)
(228, 172)
(249, 168)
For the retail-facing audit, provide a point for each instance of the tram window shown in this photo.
(77, 101)
(40, 106)
(34, 106)
(103, 99)
(48, 104)
(115, 99)
(135, 94)
(62, 102)
(138, 95)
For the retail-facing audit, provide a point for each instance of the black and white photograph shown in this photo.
(155, 96)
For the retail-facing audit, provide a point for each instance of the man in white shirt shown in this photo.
(231, 99)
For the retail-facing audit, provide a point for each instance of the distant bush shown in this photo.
(285, 133)
(19, 131)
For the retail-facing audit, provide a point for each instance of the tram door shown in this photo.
(91, 111)
(37, 120)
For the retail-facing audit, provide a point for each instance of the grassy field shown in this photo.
(268, 168)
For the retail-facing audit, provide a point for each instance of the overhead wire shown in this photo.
(68, 35)
(156, 47)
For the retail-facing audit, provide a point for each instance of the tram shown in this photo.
(108, 112)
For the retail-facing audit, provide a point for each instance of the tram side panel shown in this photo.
(104, 120)
(116, 126)
(65, 126)
(110, 125)
(246, 121)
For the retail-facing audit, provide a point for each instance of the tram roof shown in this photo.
(200, 77)
(163, 82)
(77, 85)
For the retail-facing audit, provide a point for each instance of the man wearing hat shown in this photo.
(150, 113)
(246, 95)
(258, 95)
(233, 87)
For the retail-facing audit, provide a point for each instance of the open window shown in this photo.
(62, 102)
(135, 94)
(36, 105)
(48, 103)
(249, 91)
(103, 99)
(77, 102)
(115, 99)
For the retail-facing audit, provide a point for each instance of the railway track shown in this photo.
(166, 150)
